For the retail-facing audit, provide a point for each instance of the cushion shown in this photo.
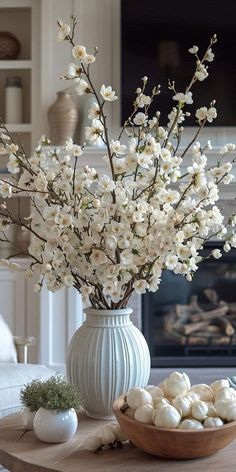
(7, 346)
(12, 378)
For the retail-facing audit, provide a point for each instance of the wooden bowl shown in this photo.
(174, 443)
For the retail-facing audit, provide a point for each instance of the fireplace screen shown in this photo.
(194, 323)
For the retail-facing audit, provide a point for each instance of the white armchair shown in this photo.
(14, 375)
(15, 372)
(22, 345)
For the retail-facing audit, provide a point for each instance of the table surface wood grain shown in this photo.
(21, 451)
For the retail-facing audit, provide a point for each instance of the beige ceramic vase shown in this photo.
(62, 117)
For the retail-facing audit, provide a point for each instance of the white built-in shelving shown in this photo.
(22, 19)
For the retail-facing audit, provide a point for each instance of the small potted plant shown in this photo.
(31, 398)
(56, 419)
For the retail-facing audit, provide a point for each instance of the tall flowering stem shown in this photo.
(111, 235)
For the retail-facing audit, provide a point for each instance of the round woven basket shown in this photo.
(9, 46)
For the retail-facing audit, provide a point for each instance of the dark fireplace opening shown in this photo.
(194, 323)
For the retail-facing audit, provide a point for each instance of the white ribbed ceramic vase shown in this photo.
(107, 356)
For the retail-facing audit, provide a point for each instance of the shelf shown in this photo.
(14, 64)
(19, 128)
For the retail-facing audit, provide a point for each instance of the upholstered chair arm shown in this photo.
(22, 345)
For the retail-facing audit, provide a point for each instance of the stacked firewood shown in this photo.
(191, 324)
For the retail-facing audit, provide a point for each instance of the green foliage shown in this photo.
(52, 394)
(31, 395)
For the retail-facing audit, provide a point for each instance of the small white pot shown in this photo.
(55, 426)
(27, 418)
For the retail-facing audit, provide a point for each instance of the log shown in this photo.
(209, 315)
(211, 295)
(212, 329)
(225, 325)
(193, 327)
(184, 311)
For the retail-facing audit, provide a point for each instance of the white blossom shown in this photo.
(209, 55)
(5, 189)
(216, 253)
(184, 98)
(117, 148)
(140, 119)
(94, 111)
(79, 52)
(140, 286)
(82, 87)
(193, 49)
(63, 32)
(106, 184)
(201, 73)
(108, 94)
(93, 133)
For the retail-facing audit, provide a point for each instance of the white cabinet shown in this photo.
(20, 18)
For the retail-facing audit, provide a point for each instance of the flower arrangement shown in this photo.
(111, 235)
(52, 394)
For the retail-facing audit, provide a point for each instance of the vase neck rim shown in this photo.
(63, 92)
(120, 311)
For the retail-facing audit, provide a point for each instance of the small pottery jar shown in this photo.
(55, 426)
(62, 116)
(9, 46)
(13, 100)
(27, 418)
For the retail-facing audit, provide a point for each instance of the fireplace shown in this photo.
(194, 324)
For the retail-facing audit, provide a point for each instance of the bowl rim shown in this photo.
(118, 403)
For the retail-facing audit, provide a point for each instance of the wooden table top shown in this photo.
(21, 451)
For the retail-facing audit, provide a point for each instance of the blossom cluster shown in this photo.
(113, 234)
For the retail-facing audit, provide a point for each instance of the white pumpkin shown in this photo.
(190, 424)
(178, 383)
(192, 396)
(137, 397)
(231, 411)
(199, 410)
(219, 384)
(155, 392)
(205, 393)
(225, 394)
(183, 405)
(211, 410)
(160, 402)
(213, 422)
(163, 387)
(144, 414)
(166, 417)
(221, 407)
